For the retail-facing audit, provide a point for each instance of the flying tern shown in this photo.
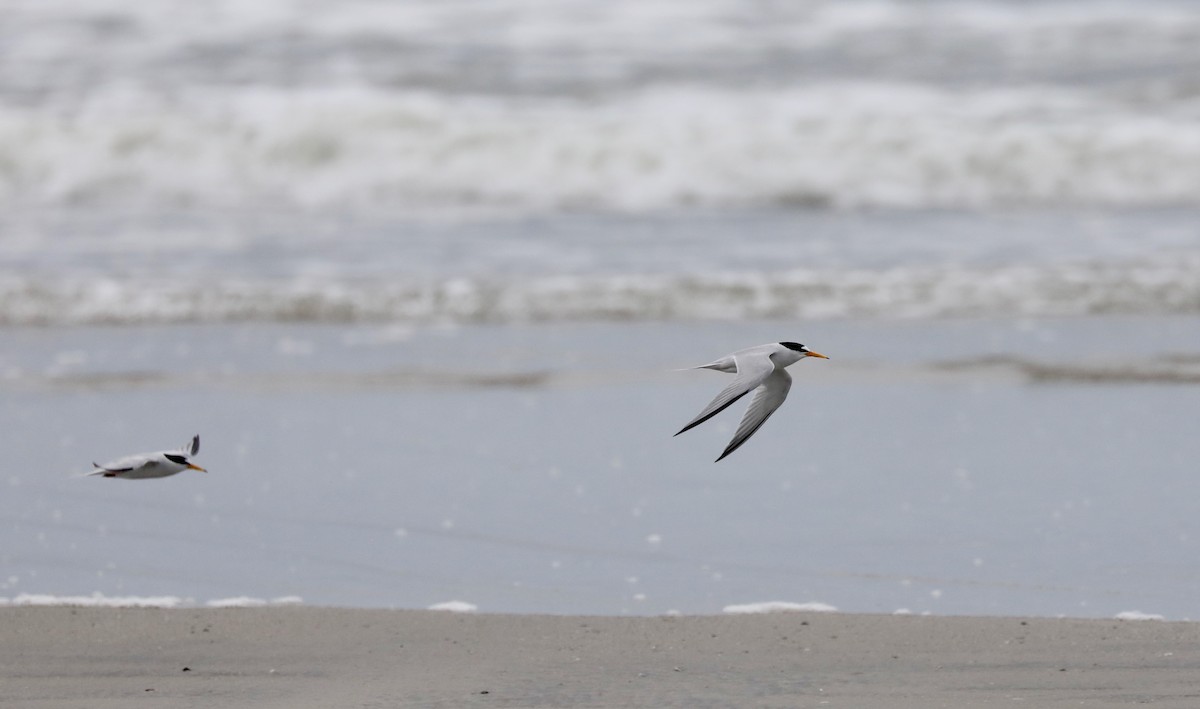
(759, 369)
(152, 465)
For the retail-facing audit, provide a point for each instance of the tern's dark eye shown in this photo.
(794, 346)
(175, 458)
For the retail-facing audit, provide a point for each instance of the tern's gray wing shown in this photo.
(766, 400)
(752, 370)
(194, 448)
(128, 463)
(102, 469)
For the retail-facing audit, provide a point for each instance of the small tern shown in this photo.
(152, 465)
(759, 369)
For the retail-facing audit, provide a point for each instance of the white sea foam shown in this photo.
(370, 106)
(780, 607)
(619, 40)
(250, 602)
(1152, 286)
(368, 149)
(454, 607)
(623, 105)
(1138, 615)
(613, 23)
(102, 601)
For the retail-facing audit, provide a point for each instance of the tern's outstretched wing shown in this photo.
(128, 463)
(752, 370)
(766, 400)
(106, 470)
(194, 448)
(101, 470)
(112, 469)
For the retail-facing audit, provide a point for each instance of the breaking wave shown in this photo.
(844, 145)
(1142, 287)
(98, 600)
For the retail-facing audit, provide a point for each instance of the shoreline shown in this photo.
(300, 656)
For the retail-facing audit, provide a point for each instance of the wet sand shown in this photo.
(322, 657)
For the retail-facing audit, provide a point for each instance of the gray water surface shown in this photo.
(926, 467)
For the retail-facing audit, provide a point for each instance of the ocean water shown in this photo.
(420, 275)
(950, 466)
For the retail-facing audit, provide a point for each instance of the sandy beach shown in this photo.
(324, 657)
